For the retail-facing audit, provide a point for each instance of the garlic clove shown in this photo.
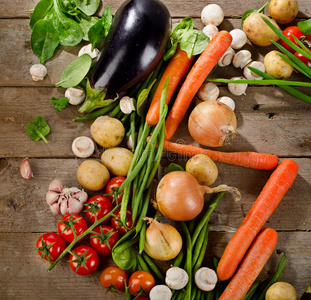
(228, 101)
(237, 89)
(83, 147)
(239, 38)
(56, 186)
(51, 197)
(81, 196)
(74, 206)
(38, 72)
(64, 206)
(127, 105)
(227, 58)
(25, 169)
(160, 292)
(208, 92)
(205, 279)
(55, 209)
(176, 278)
(242, 58)
(75, 95)
(73, 190)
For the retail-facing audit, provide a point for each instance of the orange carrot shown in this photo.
(246, 159)
(251, 265)
(200, 70)
(279, 182)
(175, 70)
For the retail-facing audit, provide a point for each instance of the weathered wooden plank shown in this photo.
(23, 207)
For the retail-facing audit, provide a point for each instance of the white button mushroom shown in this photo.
(127, 105)
(83, 147)
(38, 72)
(75, 95)
(228, 101)
(239, 38)
(88, 50)
(227, 58)
(210, 30)
(248, 74)
(241, 59)
(176, 278)
(208, 91)
(160, 292)
(205, 279)
(212, 14)
(237, 89)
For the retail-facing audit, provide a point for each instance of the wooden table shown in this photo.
(269, 121)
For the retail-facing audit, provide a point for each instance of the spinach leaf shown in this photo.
(125, 258)
(194, 42)
(89, 7)
(107, 19)
(143, 98)
(170, 52)
(38, 129)
(59, 104)
(75, 72)
(173, 167)
(183, 26)
(251, 11)
(68, 7)
(86, 24)
(40, 11)
(44, 40)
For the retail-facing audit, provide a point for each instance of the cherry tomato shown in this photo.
(64, 226)
(104, 240)
(113, 278)
(85, 255)
(112, 184)
(304, 59)
(98, 206)
(140, 280)
(289, 32)
(116, 222)
(47, 251)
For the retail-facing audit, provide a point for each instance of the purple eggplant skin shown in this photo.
(134, 46)
(306, 296)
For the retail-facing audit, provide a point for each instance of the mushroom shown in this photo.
(88, 50)
(83, 147)
(227, 58)
(241, 59)
(228, 101)
(160, 292)
(127, 105)
(176, 278)
(239, 38)
(38, 72)
(208, 92)
(237, 89)
(212, 14)
(210, 30)
(205, 279)
(75, 95)
(248, 74)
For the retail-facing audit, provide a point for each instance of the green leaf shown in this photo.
(125, 259)
(251, 11)
(86, 24)
(75, 72)
(305, 26)
(170, 52)
(143, 98)
(182, 27)
(59, 104)
(194, 42)
(96, 34)
(44, 40)
(68, 7)
(174, 167)
(89, 7)
(38, 129)
(107, 19)
(40, 11)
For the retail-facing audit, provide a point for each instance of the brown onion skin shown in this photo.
(179, 196)
(207, 120)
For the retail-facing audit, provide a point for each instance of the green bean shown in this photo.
(215, 262)
(201, 255)
(202, 295)
(123, 238)
(143, 264)
(124, 119)
(178, 259)
(142, 237)
(191, 225)
(199, 246)
(143, 211)
(153, 267)
(188, 264)
(115, 111)
(135, 186)
(251, 291)
(133, 130)
(210, 295)
(194, 293)
(125, 245)
(139, 267)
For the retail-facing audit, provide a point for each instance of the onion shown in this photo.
(181, 198)
(163, 242)
(212, 124)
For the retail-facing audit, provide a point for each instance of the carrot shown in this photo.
(175, 70)
(251, 265)
(279, 182)
(246, 159)
(200, 70)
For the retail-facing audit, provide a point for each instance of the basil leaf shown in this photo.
(38, 129)
(44, 40)
(89, 7)
(107, 19)
(143, 98)
(173, 167)
(96, 34)
(182, 27)
(40, 11)
(59, 104)
(194, 42)
(75, 72)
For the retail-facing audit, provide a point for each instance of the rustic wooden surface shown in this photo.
(269, 121)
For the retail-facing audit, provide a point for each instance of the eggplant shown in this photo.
(134, 46)
(307, 294)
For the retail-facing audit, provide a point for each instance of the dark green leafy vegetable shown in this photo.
(305, 26)
(143, 98)
(69, 7)
(174, 167)
(59, 104)
(184, 26)
(86, 23)
(44, 40)
(194, 42)
(40, 11)
(107, 19)
(251, 11)
(89, 7)
(38, 129)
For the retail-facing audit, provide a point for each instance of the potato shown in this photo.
(117, 160)
(203, 169)
(93, 175)
(107, 132)
(283, 11)
(281, 291)
(276, 66)
(257, 31)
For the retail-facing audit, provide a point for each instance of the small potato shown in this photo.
(93, 175)
(107, 132)
(117, 160)
(283, 11)
(257, 31)
(281, 291)
(203, 169)
(276, 66)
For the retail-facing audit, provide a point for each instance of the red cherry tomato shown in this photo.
(65, 223)
(113, 278)
(98, 206)
(289, 32)
(113, 184)
(140, 280)
(304, 59)
(116, 222)
(104, 240)
(85, 255)
(47, 251)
